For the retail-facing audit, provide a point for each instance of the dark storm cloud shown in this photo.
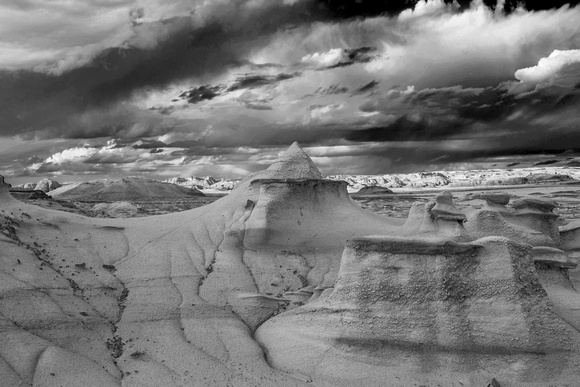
(144, 144)
(202, 93)
(334, 89)
(368, 87)
(364, 8)
(253, 81)
(355, 55)
(33, 101)
(406, 129)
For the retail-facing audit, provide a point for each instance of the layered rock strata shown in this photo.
(405, 307)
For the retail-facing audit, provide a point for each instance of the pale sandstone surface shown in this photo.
(175, 299)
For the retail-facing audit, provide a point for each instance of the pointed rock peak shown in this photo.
(295, 164)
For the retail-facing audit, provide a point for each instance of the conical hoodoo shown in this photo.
(293, 206)
(292, 228)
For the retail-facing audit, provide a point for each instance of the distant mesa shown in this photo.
(125, 189)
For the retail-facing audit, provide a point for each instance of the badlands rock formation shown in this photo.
(437, 303)
(252, 290)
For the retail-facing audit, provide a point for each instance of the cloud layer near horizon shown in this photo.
(219, 87)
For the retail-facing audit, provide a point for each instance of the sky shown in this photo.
(163, 88)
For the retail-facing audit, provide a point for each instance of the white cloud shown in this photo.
(74, 155)
(433, 46)
(324, 59)
(556, 74)
(548, 68)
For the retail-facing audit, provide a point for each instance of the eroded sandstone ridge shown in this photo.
(252, 290)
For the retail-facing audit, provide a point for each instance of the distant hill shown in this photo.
(125, 189)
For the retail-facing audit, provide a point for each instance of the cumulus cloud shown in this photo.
(548, 67)
(560, 69)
